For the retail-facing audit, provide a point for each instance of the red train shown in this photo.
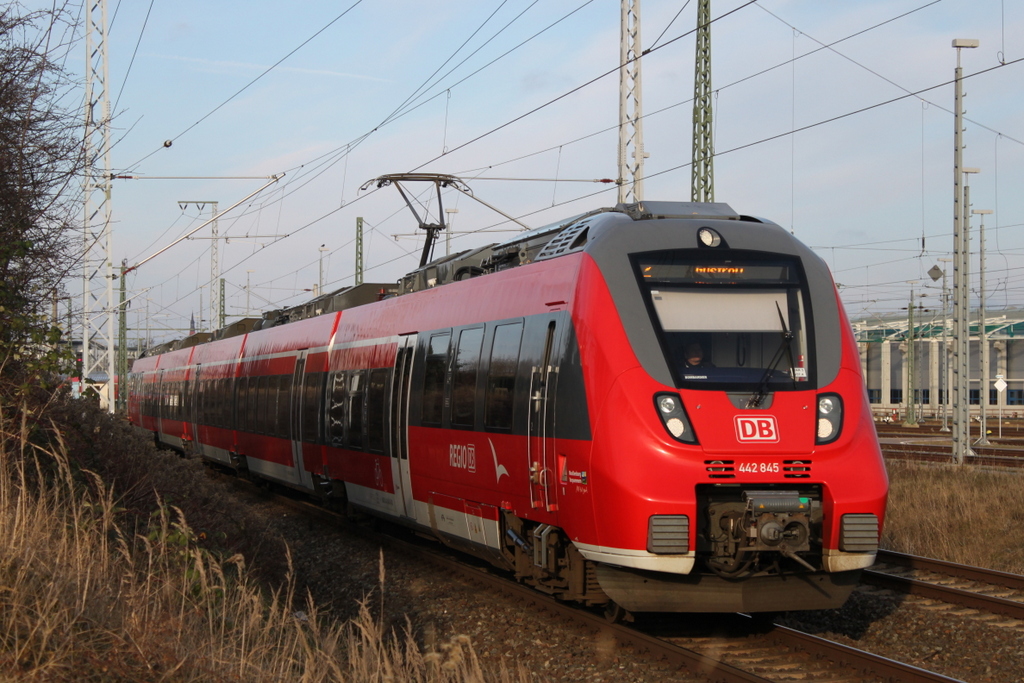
(655, 407)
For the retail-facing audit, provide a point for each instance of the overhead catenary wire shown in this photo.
(677, 167)
(809, 126)
(135, 52)
(251, 82)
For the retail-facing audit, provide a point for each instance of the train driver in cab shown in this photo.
(695, 357)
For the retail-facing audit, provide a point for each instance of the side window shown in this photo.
(433, 380)
(224, 407)
(336, 411)
(202, 401)
(375, 393)
(241, 403)
(180, 392)
(279, 404)
(311, 407)
(464, 372)
(252, 403)
(355, 410)
(501, 376)
(217, 406)
(263, 420)
(268, 404)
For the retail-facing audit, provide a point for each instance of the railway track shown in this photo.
(931, 445)
(940, 453)
(974, 588)
(747, 653)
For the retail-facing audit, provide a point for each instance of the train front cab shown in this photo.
(751, 480)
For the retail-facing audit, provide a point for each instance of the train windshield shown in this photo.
(734, 323)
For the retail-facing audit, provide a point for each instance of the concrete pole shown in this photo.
(911, 383)
(961, 330)
(983, 332)
(944, 391)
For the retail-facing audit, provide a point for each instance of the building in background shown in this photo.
(884, 342)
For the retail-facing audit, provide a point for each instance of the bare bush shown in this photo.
(41, 166)
(959, 514)
(82, 599)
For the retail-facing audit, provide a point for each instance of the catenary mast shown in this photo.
(702, 172)
(97, 267)
(631, 131)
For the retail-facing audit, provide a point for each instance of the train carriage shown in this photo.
(542, 403)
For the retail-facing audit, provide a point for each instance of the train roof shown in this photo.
(556, 239)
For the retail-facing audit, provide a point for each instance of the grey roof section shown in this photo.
(1005, 324)
(614, 237)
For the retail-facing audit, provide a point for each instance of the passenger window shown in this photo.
(251, 403)
(243, 404)
(464, 373)
(260, 406)
(311, 408)
(355, 410)
(501, 376)
(336, 411)
(224, 409)
(218, 401)
(433, 380)
(279, 404)
(271, 406)
(375, 394)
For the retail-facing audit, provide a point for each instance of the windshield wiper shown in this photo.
(785, 347)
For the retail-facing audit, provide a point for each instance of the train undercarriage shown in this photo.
(758, 551)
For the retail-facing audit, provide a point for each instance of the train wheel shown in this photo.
(615, 613)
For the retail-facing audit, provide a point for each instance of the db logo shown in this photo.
(763, 428)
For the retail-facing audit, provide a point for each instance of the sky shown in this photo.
(833, 119)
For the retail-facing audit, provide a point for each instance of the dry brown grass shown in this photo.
(83, 600)
(958, 514)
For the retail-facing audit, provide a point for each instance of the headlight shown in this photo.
(709, 238)
(673, 417)
(829, 418)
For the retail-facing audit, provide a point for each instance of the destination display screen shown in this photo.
(678, 269)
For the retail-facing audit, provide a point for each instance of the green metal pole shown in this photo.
(359, 250)
(702, 172)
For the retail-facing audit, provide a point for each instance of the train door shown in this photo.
(541, 422)
(160, 411)
(298, 397)
(194, 411)
(399, 431)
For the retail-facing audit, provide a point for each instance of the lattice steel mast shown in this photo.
(702, 173)
(97, 261)
(631, 130)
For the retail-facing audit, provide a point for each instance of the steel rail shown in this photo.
(957, 596)
(866, 663)
(963, 571)
(941, 453)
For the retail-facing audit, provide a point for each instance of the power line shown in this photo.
(566, 94)
(253, 81)
(135, 52)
